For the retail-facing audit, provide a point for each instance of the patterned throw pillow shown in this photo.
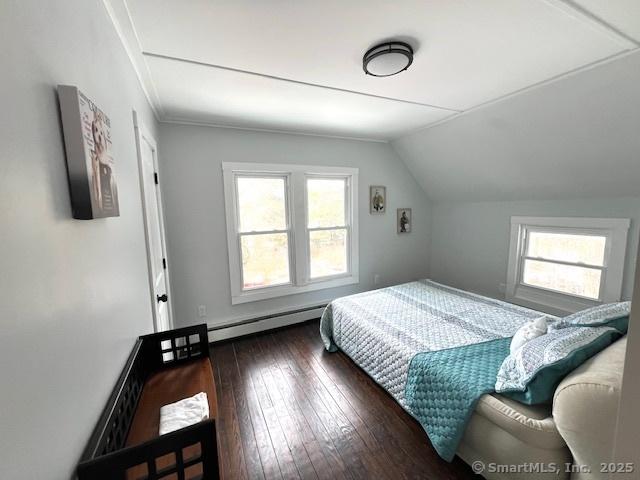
(614, 315)
(532, 373)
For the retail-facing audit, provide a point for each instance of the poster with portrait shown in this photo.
(90, 163)
(377, 199)
(404, 220)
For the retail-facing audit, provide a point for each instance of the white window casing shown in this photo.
(298, 233)
(615, 230)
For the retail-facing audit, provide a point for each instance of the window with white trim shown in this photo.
(564, 265)
(290, 228)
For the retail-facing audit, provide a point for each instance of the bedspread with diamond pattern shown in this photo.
(443, 388)
(383, 330)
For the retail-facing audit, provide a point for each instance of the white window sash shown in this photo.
(613, 229)
(346, 227)
(239, 247)
(286, 230)
(527, 230)
(348, 252)
(563, 262)
(298, 236)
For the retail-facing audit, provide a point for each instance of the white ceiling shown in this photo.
(296, 65)
(201, 94)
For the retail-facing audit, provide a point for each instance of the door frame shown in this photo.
(143, 134)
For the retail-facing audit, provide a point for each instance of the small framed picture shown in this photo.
(377, 199)
(404, 220)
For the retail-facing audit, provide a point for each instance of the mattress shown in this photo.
(434, 348)
(382, 330)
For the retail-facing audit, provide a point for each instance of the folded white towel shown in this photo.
(184, 413)
(528, 331)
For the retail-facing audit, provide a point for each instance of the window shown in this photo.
(327, 229)
(263, 227)
(566, 264)
(290, 229)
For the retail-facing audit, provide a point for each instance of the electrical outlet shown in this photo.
(376, 279)
(202, 310)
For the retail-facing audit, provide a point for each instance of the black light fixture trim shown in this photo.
(385, 49)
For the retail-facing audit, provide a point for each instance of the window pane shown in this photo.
(328, 250)
(568, 248)
(563, 278)
(261, 202)
(265, 260)
(325, 200)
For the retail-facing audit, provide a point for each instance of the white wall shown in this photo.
(628, 425)
(574, 138)
(470, 241)
(73, 294)
(191, 180)
(570, 147)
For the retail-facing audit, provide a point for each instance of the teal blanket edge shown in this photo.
(444, 386)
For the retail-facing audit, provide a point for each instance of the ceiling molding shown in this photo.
(289, 80)
(581, 14)
(535, 86)
(177, 121)
(140, 57)
(154, 103)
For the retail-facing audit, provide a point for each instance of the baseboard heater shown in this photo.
(264, 322)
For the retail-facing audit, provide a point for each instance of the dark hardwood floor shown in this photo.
(289, 409)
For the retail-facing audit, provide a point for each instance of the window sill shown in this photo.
(549, 302)
(285, 290)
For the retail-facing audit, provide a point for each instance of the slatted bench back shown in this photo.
(112, 428)
(162, 460)
(173, 347)
(106, 451)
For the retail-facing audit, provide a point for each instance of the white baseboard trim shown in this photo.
(263, 325)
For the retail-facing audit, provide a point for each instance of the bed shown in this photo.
(436, 350)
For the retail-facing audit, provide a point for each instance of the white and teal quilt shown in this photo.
(434, 348)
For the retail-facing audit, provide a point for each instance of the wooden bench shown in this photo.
(163, 368)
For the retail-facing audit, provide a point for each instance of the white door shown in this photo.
(154, 228)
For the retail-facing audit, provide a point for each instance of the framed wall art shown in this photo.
(377, 199)
(404, 220)
(90, 164)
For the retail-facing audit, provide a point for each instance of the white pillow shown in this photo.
(528, 331)
(187, 411)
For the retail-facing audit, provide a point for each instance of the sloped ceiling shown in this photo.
(577, 137)
(296, 65)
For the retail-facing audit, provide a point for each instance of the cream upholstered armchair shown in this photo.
(575, 434)
(585, 409)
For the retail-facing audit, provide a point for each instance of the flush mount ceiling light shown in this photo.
(387, 59)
